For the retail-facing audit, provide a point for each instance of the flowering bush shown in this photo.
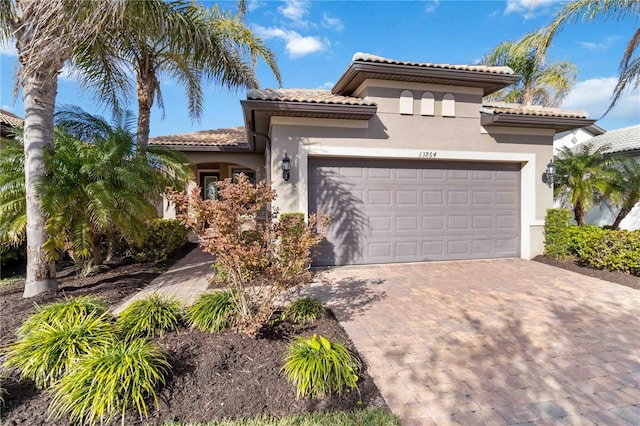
(257, 256)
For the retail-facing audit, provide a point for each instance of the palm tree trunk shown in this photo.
(145, 100)
(578, 212)
(39, 94)
(624, 211)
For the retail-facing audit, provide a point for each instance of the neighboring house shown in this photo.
(8, 121)
(404, 157)
(622, 142)
(571, 138)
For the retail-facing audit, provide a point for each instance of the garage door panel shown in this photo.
(399, 211)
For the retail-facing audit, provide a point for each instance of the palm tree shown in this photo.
(539, 85)
(625, 191)
(583, 177)
(594, 10)
(98, 186)
(46, 34)
(192, 44)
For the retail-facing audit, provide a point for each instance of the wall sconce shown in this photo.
(549, 175)
(286, 167)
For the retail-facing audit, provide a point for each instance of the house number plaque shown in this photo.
(427, 154)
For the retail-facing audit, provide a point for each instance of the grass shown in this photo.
(318, 367)
(64, 312)
(368, 417)
(150, 317)
(9, 281)
(106, 382)
(304, 310)
(212, 312)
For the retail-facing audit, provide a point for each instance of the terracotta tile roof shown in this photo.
(10, 119)
(367, 57)
(619, 140)
(233, 136)
(519, 109)
(313, 96)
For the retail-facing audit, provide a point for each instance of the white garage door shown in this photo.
(385, 211)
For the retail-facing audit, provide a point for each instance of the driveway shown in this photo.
(493, 342)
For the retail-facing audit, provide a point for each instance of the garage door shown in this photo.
(385, 211)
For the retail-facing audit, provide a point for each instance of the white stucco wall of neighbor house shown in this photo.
(602, 214)
(390, 134)
(571, 138)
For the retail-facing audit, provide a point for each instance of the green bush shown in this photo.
(614, 250)
(107, 381)
(303, 310)
(213, 311)
(150, 317)
(294, 223)
(318, 367)
(556, 240)
(581, 237)
(65, 312)
(47, 353)
(164, 237)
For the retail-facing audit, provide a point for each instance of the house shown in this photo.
(8, 121)
(571, 138)
(621, 142)
(404, 157)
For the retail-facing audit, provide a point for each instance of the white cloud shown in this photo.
(432, 6)
(296, 44)
(253, 5)
(7, 108)
(601, 45)
(527, 7)
(295, 10)
(8, 48)
(333, 23)
(327, 85)
(69, 73)
(594, 96)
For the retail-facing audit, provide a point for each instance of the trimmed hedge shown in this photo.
(599, 248)
(556, 237)
(164, 236)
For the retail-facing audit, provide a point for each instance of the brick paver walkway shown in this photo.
(185, 281)
(493, 342)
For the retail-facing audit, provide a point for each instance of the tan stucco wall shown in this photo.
(459, 137)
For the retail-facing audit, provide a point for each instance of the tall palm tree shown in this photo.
(540, 84)
(98, 185)
(594, 10)
(192, 44)
(46, 34)
(625, 191)
(583, 177)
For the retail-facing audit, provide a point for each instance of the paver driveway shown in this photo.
(493, 342)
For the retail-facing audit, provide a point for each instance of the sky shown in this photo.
(314, 42)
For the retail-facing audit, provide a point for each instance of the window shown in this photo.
(427, 104)
(251, 174)
(208, 189)
(448, 105)
(406, 102)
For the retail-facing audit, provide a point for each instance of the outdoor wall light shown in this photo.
(549, 175)
(286, 167)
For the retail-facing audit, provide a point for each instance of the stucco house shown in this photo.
(621, 142)
(8, 121)
(405, 158)
(571, 138)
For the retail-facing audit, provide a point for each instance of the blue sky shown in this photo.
(315, 40)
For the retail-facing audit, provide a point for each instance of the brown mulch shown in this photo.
(576, 265)
(224, 375)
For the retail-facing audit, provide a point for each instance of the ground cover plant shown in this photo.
(304, 310)
(213, 312)
(150, 317)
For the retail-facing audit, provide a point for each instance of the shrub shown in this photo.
(580, 237)
(303, 310)
(614, 250)
(108, 381)
(65, 312)
(259, 259)
(164, 237)
(213, 311)
(150, 317)
(48, 352)
(318, 367)
(556, 241)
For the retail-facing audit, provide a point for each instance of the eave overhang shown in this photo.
(559, 124)
(358, 72)
(206, 148)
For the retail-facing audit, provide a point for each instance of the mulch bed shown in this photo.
(224, 375)
(574, 265)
